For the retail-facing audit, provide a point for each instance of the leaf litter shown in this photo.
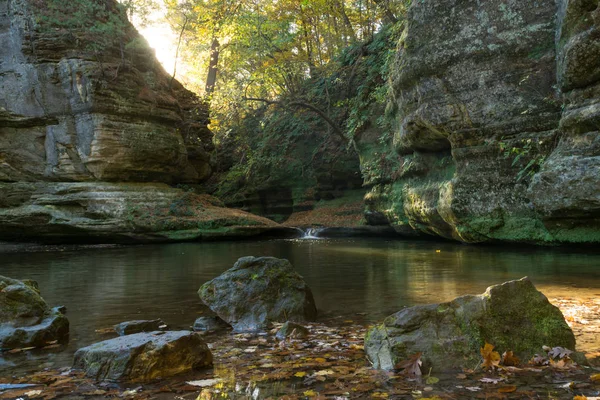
(329, 364)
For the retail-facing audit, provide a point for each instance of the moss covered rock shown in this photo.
(142, 357)
(511, 316)
(257, 291)
(25, 318)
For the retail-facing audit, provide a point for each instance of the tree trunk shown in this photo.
(389, 16)
(211, 78)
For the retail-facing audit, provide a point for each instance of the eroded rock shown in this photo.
(257, 291)
(142, 357)
(511, 316)
(497, 105)
(25, 318)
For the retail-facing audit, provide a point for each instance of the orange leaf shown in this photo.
(507, 389)
(509, 359)
(579, 398)
(491, 358)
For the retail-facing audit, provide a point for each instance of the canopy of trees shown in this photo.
(264, 49)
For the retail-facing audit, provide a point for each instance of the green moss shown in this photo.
(583, 234)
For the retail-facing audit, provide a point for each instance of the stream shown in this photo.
(355, 278)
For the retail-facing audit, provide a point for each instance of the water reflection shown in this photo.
(104, 287)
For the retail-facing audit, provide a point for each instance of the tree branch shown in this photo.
(336, 129)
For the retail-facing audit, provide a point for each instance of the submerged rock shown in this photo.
(142, 357)
(511, 316)
(25, 318)
(137, 326)
(257, 291)
(292, 330)
(210, 324)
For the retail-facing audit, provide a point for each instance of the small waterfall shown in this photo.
(312, 233)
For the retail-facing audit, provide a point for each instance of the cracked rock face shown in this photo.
(68, 115)
(25, 318)
(90, 140)
(497, 122)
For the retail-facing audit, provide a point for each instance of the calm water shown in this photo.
(103, 287)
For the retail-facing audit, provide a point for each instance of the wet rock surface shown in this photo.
(137, 326)
(25, 318)
(496, 108)
(257, 291)
(513, 316)
(292, 330)
(210, 324)
(142, 357)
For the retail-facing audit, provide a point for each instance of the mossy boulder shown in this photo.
(511, 316)
(258, 291)
(142, 357)
(25, 318)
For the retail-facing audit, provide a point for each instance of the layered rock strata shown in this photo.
(92, 128)
(497, 116)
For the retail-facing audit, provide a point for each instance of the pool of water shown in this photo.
(348, 277)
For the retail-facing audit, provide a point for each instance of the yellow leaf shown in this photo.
(320, 360)
(300, 374)
(310, 393)
(595, 378)
(491, 358)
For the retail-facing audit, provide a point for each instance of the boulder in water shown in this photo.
(512, 316)
(258, 291)
(292, 330)
(137, 326)
(210, 324)
(142, 357)
(25, 318)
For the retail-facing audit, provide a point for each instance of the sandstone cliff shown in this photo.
(497, 119)
(91, 129)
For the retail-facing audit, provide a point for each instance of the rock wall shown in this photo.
(69, 113)
(91, 127)
(497, 117)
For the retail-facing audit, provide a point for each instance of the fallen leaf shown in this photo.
(324, 372)
(300, 374)
(559, 352)
(507, 389)
(310, 393)
(320, 360)
(579, 398)
(411, 366)
(491, 358)
(509, 359)
(538, 360)
(204, 382)
(461, 376)
(491, 380)
(432, 380)
(473, 388)
(595, 378)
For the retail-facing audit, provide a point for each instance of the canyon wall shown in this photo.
(496, 108)
(93, 130)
